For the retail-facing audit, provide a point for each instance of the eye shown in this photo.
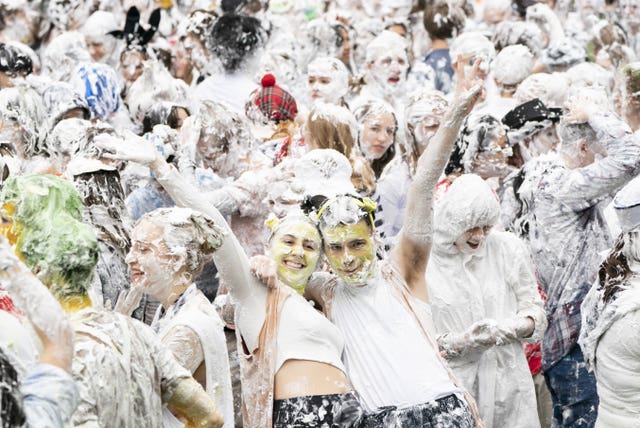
(310, 247)
(358, 244)
(391, 131)
(335, 247)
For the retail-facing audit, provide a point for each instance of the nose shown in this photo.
(297, 250)
(129, 259)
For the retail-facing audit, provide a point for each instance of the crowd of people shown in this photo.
(320, 213)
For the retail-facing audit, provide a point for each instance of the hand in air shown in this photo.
(469, 85)
(265, 269)
(133, 148)
(581, 105)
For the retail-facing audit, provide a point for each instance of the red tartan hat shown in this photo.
(273, 102)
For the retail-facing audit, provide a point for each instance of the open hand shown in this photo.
(469, 86)
(128, 301)
(133, 149)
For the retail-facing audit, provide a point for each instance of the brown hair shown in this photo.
(339, 136)
(614, 270)
(442, 23)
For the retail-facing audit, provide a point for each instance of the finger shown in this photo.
(475, 69)
(460, 67)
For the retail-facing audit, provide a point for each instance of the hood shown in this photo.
(468, 203)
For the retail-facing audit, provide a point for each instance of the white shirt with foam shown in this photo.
(388, 359)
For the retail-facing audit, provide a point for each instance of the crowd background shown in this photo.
(450, 182)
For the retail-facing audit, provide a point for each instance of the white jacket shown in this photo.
(609, 341)
(495, 282)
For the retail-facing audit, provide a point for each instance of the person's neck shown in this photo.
(439, 44)
(174, 293)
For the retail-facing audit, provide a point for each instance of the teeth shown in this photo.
(294, 265)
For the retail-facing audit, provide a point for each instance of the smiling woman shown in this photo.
(168, 250)
(295, 246)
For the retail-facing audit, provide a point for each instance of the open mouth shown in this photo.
(393, 80)
(294, 265)
(473, 245)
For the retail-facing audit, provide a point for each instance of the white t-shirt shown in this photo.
(232, 89)
(388, 359)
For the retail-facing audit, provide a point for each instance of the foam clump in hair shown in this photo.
(46, 212)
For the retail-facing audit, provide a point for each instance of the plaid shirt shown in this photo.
(567, 229)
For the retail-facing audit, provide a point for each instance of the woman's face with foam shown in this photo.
(378, 134)
(295, 247)
(326, 83)
(151, 264)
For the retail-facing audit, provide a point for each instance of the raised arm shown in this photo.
(411, 254)
(230, 259)
(39, 305)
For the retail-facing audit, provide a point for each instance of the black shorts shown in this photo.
(445, 412)
(345, 411)
(322, 411)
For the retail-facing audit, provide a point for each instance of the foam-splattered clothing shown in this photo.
(495, 282)
(193, 331)
(567, 229)
(440, 61)
(50, 397)
(609, 339)
(116, 356)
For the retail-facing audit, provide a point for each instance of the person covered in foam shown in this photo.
(168, 250)
(610, 315)
(485, 303)
(43, 213)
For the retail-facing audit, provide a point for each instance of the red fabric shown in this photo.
(533, 351)
(275, 103)
(283, 152)
(6, 304)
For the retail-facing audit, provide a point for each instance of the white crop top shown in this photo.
(306, 334)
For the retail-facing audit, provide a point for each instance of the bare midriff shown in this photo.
(298, 378)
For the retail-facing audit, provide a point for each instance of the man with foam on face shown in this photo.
(387, 63)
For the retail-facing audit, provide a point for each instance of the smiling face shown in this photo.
(295, 248)
(472, 239)
(351, 252)
(151, 264)
(378, 135)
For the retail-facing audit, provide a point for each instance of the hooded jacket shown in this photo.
(496, 282)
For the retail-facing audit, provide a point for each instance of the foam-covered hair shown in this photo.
(234, 37)
(187, 233)
(98, 84)
(46, 212)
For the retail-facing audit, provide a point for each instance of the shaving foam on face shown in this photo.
(295, 247)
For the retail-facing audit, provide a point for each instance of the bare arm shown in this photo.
(411, 254)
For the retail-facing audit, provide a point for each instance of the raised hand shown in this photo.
(469, 86)
(133, 149)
